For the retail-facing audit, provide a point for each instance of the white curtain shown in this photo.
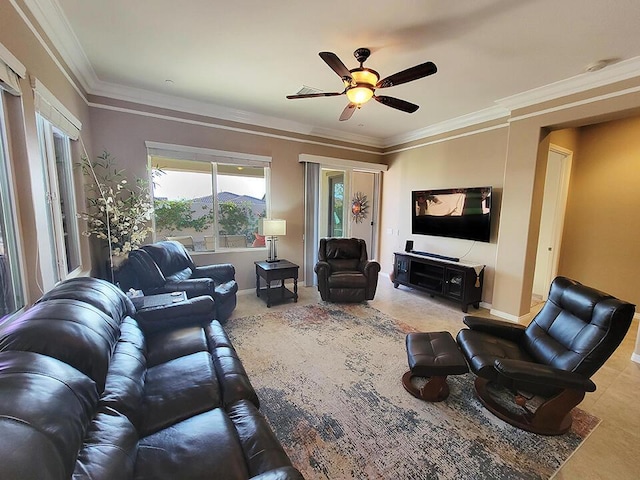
(311, 236)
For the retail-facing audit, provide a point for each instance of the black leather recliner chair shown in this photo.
(552, 359)
(344, 272)
(166, 266)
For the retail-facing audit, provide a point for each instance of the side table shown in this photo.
(270, 271)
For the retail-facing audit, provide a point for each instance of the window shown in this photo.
(11, 289)
(58, 174)
(210, 206)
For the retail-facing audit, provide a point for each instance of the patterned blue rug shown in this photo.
(328, 377)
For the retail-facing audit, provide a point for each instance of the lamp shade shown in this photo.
(272, 227)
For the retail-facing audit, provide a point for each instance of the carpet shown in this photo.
(328, 377)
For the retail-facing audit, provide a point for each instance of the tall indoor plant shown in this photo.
(118, 212)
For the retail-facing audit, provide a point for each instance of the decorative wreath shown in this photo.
(359, 207)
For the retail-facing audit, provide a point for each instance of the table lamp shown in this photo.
(272, 228)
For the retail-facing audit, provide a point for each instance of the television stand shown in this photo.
(461, 282)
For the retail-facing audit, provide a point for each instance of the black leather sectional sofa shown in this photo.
(89, 389)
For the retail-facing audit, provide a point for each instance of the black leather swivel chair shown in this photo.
(552, 359)
(344, 272)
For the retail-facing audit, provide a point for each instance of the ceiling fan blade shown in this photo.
(336, 65)
(314, 95)
(348, 111)
(408, 75)
(397, 103)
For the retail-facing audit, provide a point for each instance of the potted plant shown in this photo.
(118, 212)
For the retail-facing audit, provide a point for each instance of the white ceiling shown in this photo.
(238, 60)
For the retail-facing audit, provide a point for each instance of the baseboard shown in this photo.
(635, 357)
(508, 316)
(252, 290)
(487, 306)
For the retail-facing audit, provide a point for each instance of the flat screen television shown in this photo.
(452, 212)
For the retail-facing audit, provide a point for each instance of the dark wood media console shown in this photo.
(461, 282)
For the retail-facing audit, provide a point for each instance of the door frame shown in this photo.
(314, 164)
(557, 227)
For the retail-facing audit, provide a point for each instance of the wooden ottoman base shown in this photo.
(435, 390)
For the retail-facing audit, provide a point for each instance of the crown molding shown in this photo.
(616, 72)
(481, 116)
(172, 102)
(55, 25)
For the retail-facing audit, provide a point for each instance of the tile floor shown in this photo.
(613, 449)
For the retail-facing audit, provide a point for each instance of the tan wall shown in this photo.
(471, 161)
(600, 244)
(124, 134)
(16, 36)
(522, 195)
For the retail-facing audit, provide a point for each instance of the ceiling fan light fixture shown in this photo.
(365, 75)
(362, 87)
(360, 94)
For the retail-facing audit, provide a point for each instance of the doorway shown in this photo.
(556, 189)
(336, 210)
(363, 186)
(330, 186)
(338, 190)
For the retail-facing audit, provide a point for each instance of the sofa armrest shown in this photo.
(221, 273)
(371, 269)
(196, 311)
(499, 328)
(145, 269)
(193, 287)
(262, 449)
(541, 374)
(322, 269)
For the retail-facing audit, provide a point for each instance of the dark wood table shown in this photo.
(280, 270)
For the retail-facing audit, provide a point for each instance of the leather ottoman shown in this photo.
(434, 355)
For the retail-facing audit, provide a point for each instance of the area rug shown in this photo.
(328, 377)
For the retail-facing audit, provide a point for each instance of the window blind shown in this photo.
(183, 152)
(49, 107)
(10, 72)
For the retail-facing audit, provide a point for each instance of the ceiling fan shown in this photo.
(361, 83)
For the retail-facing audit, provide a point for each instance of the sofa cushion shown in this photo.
(169, 344)
(348, 279)
(170, 256)
(346, 264)
(70, 330)
(342, 248)
(140, 272)
(180, 275)
(45, 407)
(202, 447)
(179, 389)
(105, 296)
